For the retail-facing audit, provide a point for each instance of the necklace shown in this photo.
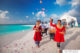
(60, 26)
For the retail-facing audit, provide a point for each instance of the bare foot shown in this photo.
(37, 46)
(60, 51)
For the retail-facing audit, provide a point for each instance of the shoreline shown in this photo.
(12, 32)
(29, 25)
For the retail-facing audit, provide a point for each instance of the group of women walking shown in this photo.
(57, 33)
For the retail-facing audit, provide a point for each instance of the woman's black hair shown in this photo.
(37, 21)
(59, 20)
(52, 20)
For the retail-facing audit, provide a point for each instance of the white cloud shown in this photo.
(32, 13)
(61, 2)
(64, 2)
(47, 19)
(3, 14)
(73, 12)
(27, 16)
(38, 18)
(75, 8)
(0, 10)
(54, 16)
(75, 2)
(41, 13)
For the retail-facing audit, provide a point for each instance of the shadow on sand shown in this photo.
(46, 40)
(63, 45)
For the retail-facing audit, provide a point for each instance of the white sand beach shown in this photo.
(29, 25)
(24, 43)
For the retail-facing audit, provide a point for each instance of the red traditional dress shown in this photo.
(58, 36)
(37, 35)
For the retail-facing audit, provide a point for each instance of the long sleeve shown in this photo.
(34, 27)
(52, 24)
(40, 28)
(63, 28)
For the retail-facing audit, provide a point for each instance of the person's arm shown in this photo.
(63, 32)
(34, 28)
(40, 28)
(52, 24)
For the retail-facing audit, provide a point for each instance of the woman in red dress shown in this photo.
(37, 35)
(60, 31)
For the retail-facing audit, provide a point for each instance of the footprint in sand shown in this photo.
(19, 43)
(16, 51)
(43, 49)
(21, 48)
(15, 44)
(7, 47)
(24, 44)
(33, 51)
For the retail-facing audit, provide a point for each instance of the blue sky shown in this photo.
(25, 11)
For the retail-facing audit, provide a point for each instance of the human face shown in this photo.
(59, 22)
(37, 23)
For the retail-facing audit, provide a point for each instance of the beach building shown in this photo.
(69, 19)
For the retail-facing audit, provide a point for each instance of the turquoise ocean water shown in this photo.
(79, 25)
(74, 25)
(7, 29)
